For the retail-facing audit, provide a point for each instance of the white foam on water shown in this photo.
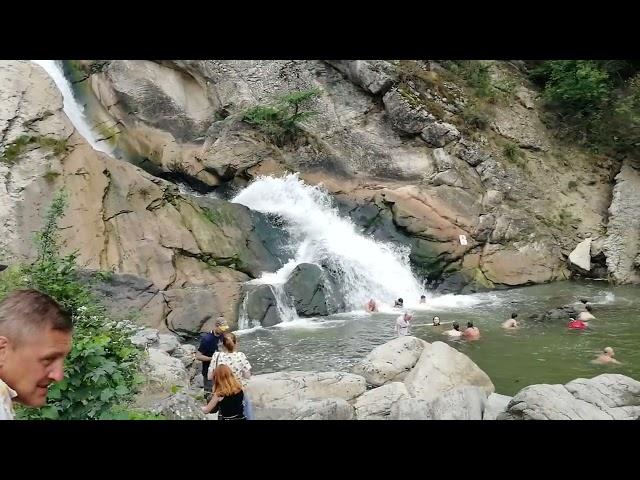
(362, 267)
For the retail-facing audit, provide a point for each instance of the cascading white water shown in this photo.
(365, 268)
(72, 108)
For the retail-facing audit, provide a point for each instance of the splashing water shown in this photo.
(364, 268)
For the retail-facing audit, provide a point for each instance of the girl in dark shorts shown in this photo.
(227, 396)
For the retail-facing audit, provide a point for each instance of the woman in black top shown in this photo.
(227, 396)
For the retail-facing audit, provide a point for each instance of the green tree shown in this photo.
(281, 119)
(576, 85)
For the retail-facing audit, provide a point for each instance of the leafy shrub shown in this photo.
(281, 120)
(101, 370)
(575, 85)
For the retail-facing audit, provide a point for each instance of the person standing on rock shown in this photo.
(35, 338)
(586, 315)
(454, 332)
(227, 395)
(403, 322)
(208, 346)
(471, 332)
(606, 357)
(423, 299)
(512, 322)
(237, 362)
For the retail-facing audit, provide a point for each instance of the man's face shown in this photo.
(34, 363)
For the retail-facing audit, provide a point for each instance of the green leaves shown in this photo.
(281, 120)
(579, 85)
(101, 369)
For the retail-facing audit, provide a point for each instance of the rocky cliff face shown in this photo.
(398, 144)
(394, 141)
(120, 218)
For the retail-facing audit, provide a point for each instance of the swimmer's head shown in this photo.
(456, 326)
(608, 351)
(436, 320)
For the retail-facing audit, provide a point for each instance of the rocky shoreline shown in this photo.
(403, 379)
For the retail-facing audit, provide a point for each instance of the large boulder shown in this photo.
(307, 409)
(260, 305)
(391, 361)
(161, 368)
(372, 75)
(463, 403)
(376, 404)
(537, 262)
(186, 354)
(495, 404)
(129, 296)
(406, 111)
(439, 134)
(194, 309)
(145, 337)
(180, 406)
(581, 255)
(442, 368)
(257, 244)
(273, 388)
(562, 313)
(168, 343)
(309, 287)
(605, 397)
(410, 409)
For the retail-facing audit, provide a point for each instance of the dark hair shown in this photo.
(24, 312)
(589, 308)
(456, 325)
(584, 300)
(400, 300)
(469, 324)
(423, 296)
(229, 341)
(514, 315)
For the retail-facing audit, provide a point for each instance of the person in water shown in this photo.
(585, 302)
(403, 322)
(436, 321)
(454, 332)
(577, 324)
(423, 299)
(512, 322)
(399, 303)
(606, 357)
(586, 315)
(471, 332)
(371, 306)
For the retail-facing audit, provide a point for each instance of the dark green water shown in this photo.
(535, 353)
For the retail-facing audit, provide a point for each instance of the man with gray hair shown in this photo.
(35, 338)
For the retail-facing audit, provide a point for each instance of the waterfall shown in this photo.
(72, 108)
(363, 267)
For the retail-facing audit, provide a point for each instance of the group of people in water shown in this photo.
(471, 333)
